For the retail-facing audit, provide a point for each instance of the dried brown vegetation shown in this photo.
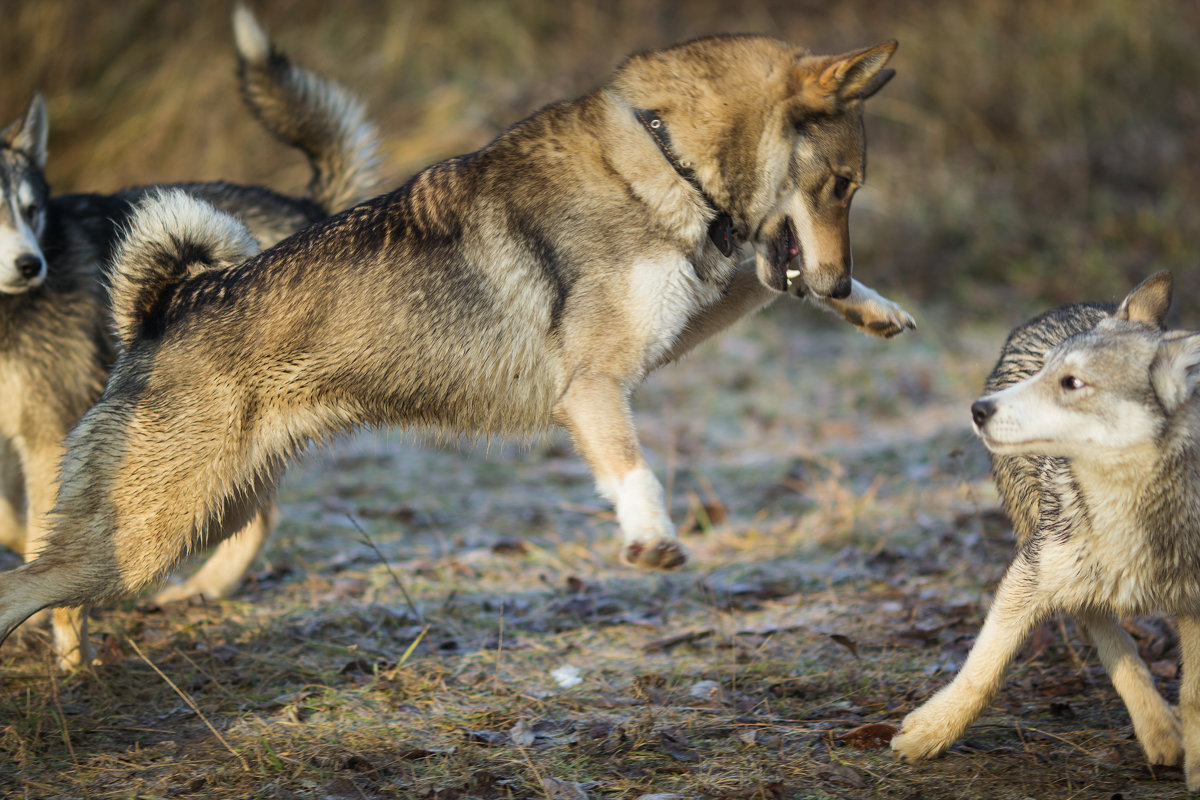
(402, 634)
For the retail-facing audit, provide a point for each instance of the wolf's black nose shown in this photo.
(29, 265)
(981, 410)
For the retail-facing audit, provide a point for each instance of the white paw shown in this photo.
(1162, 740)
(928, 731)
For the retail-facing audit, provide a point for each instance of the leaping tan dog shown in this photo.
(532, 283)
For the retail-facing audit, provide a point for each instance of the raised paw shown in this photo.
(665, 554)
(886, 319)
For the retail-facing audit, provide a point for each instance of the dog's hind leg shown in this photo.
(1156, 725)
(224, 569)
(1189, 697)
(41, 459)
(595, 410)
(929, 730)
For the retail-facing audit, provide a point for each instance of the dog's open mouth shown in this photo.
(786, 247)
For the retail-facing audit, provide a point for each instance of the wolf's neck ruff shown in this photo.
(720, 231)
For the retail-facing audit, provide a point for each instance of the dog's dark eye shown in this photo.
(30, 210)
(1071, 383)
(841, 185)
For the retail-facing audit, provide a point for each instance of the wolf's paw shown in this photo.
(1162, 741)
(663, 554)
(925, 733)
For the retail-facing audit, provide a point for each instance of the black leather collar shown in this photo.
(720, 231)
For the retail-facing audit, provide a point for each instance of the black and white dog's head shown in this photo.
(23, 198)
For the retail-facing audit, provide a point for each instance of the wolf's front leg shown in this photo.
(869, 311)
(1156, 725)
(595, 410)
(928, 731)
(1189, 697)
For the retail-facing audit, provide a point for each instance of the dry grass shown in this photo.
(844, 538)
(843, 532)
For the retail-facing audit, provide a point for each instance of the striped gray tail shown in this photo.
(314, 114)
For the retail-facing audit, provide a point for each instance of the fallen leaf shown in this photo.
(521, 734)
(674, 743)
(706, 690)
(491, 738)
(846, 642)
(840, 774)
(562, 790)
(663, 645)
(510, 547)
(871, 736)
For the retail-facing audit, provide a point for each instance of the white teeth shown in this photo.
(792, 274)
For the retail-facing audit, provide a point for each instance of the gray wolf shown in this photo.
(55, 342)
(532, 283)
(1092, 418)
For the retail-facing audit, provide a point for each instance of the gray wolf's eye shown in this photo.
(1071, 383)
(841, 185)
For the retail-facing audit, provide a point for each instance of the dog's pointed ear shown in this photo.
(1175, 371)
(1149, 301)
(858, 74)
(29, 133)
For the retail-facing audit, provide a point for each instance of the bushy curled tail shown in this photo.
(316, 115)
(170, 237)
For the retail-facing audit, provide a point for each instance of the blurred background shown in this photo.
(1026, 153)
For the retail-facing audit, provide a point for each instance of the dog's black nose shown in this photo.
(981, 410)
(29, 265)
(842, 290)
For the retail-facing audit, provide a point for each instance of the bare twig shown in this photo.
(395, 578)
(191, 704)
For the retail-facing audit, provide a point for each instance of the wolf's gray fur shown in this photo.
(1094, 425)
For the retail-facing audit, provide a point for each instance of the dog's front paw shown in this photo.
(886, 319)
(662, 554)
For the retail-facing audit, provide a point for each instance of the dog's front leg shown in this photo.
(744, 295)
(1189, 697)
(869, 311)
(1156, 725)
(12, 498)
(928, 731)
(595, 410)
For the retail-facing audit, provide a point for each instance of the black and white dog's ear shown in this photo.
(29, 133)
(1175, 371)
(1149, 301)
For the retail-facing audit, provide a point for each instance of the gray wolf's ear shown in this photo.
(857, 74)
(28, 134)
(1175, 372)
(1149, 301)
